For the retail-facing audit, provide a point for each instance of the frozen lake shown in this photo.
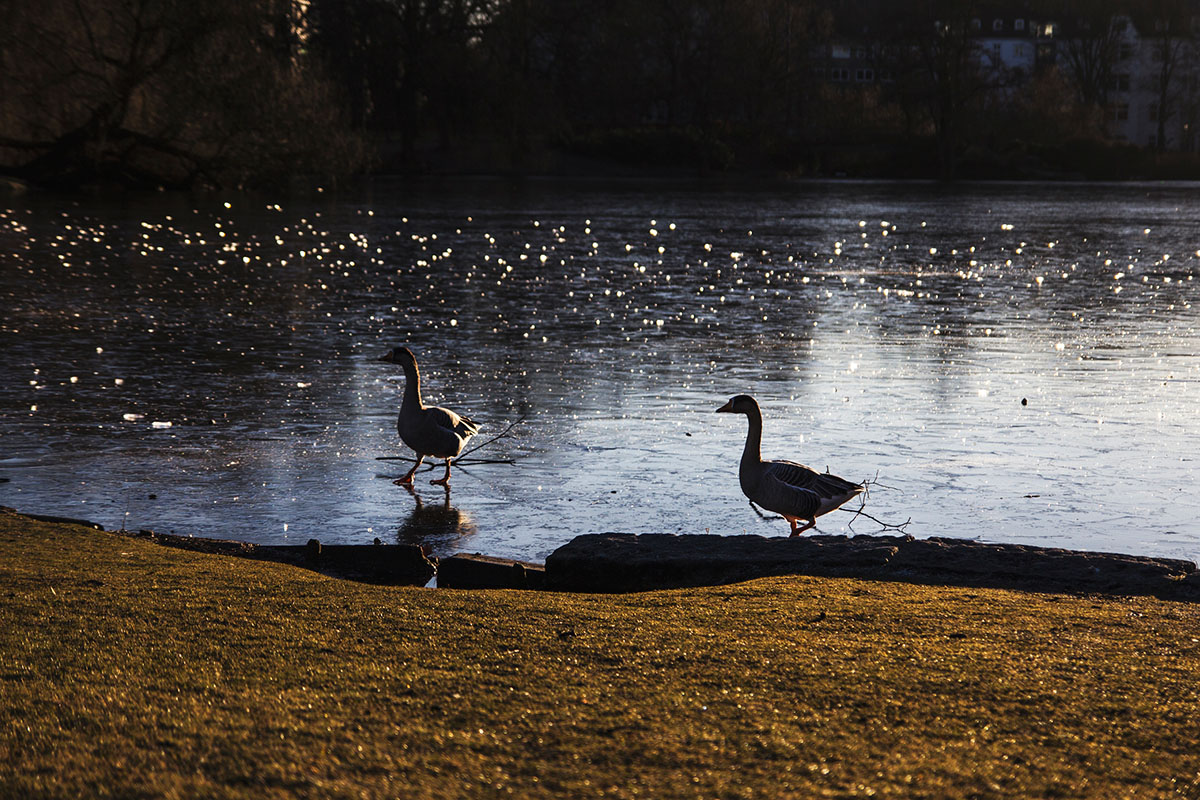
(1013, 363)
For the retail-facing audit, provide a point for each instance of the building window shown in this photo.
(1019, 25)
(1125, 51)
(976, 24)
(864, 75)
(998, 25)
(839, 74)
(840, 51)
(1152, 113)
(1018, 50)
(1048, 30)
(1118, 112)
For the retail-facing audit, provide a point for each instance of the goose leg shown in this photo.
(797, 531)
(445, 479)
(409, 477)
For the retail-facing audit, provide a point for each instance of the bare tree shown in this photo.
(159, 92)
(1166, 25)
(935, 59)
(1090, 47)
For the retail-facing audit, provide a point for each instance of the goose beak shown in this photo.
(386, 357)
(726, 409)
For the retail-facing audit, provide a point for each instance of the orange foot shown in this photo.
(408, 478)
(796, 531)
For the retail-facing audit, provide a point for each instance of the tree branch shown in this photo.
(462, 459)
(501, 435)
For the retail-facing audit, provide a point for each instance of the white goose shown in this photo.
(429, 430)
(785, 487)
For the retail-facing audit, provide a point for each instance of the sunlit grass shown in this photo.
(133, 670)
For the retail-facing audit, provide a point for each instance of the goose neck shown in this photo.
(753, 451)
(412, 386)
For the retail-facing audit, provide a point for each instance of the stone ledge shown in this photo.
(385, 564)
(623, 562)
(477, 571)
(616, 562)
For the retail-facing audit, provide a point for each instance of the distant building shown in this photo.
(1154, 89)
(1011, 48)
(849, 62)
(1148, 71)
(1143, 71)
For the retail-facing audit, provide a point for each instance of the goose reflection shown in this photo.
(436, 526)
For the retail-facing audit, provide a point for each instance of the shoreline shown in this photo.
(621, 563)
(747, 179)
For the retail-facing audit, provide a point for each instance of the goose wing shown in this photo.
(781, 497)
(823, 484)
(809, 492)
(436, 431)
(445, 418)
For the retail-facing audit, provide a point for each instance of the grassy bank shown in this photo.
(130, 670)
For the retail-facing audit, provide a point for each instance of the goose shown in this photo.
(785, 487)
(428, 430)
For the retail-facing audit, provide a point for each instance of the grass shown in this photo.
(132, 670)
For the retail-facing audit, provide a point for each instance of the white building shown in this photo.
(1008, 47)
(1155, 78)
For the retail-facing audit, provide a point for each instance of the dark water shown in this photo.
(889, 331)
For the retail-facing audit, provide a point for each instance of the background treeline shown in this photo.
(236, 92)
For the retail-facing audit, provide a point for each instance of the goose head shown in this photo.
(400, 355)
(740, 404)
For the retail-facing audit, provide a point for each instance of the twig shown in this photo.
(429, 467)
(857, 512)
(761, 514)
(868, 484)
(457, 462)
(462, 460)
(871, 482)
(887, 526)
(500, 435)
